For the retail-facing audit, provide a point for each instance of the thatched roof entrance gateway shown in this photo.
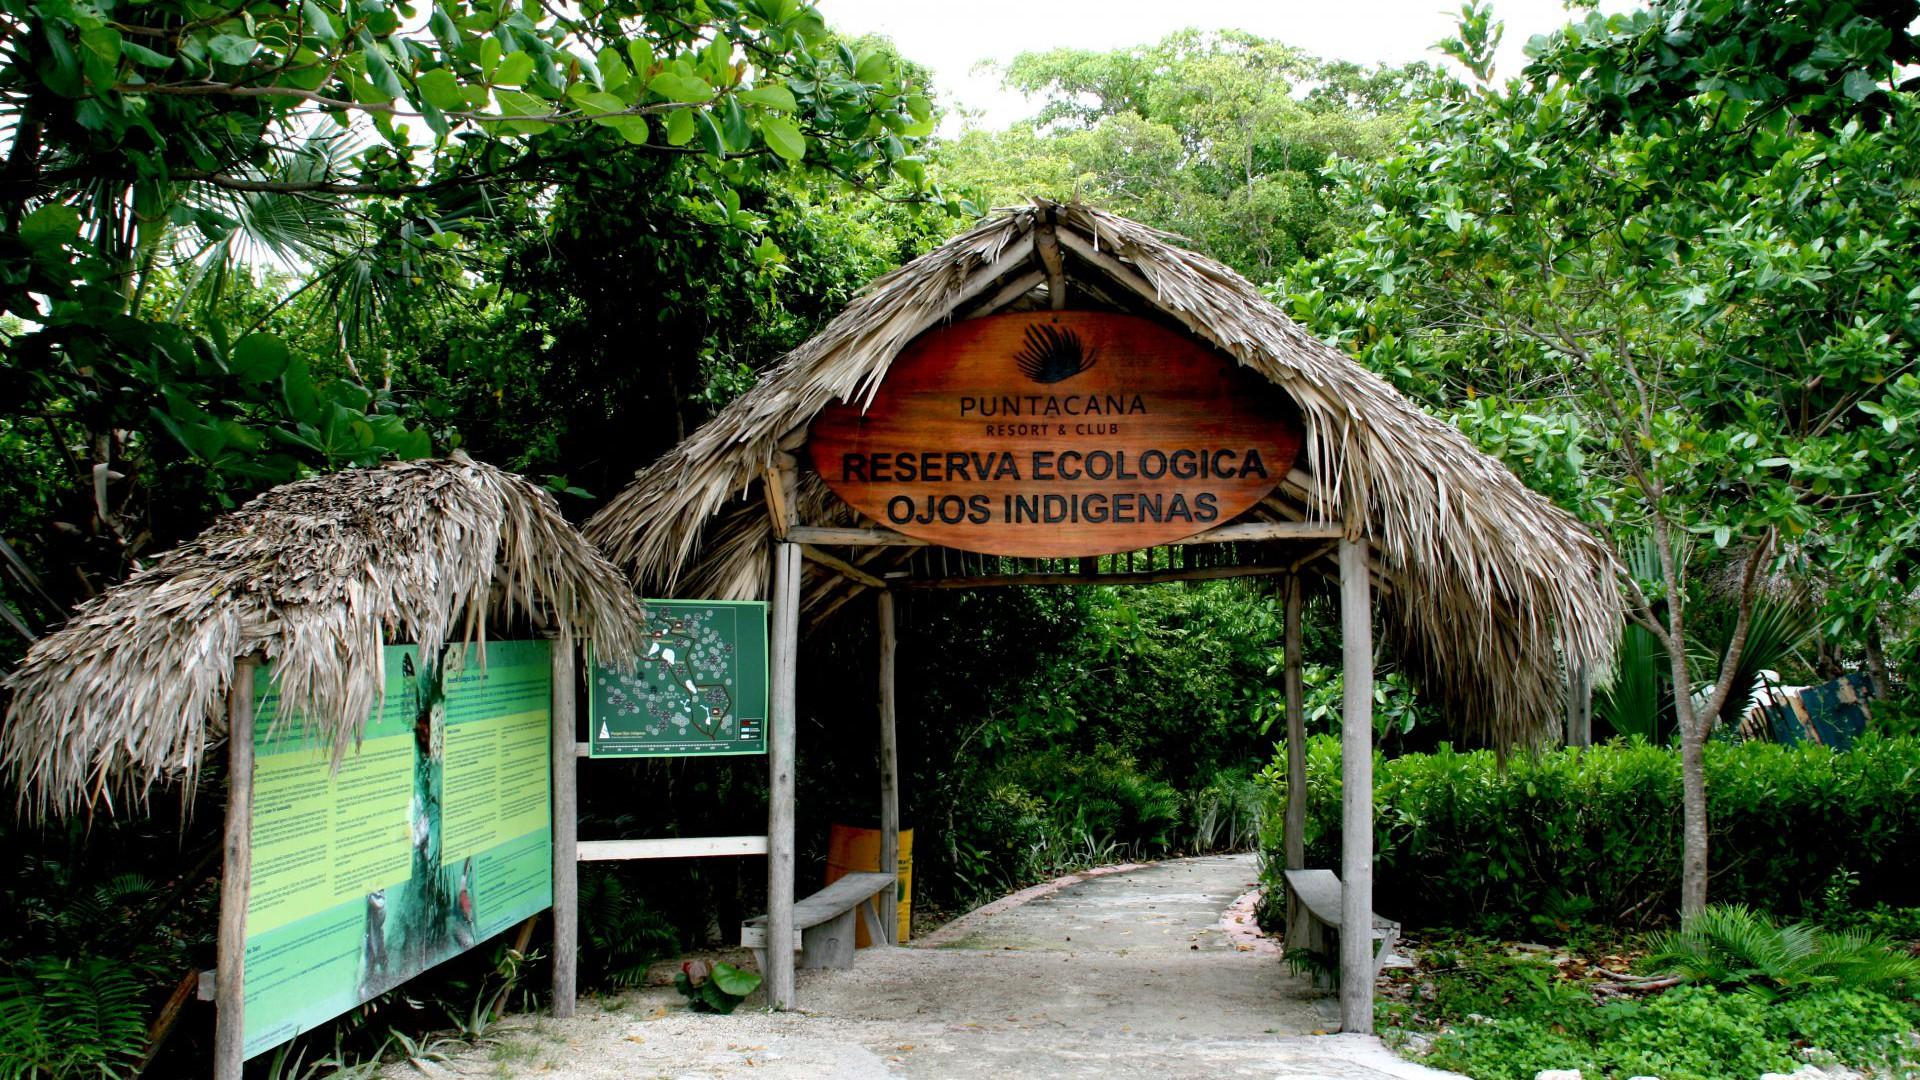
(1489, 589)
(314, 576)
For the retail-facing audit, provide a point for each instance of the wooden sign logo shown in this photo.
(1058, 433)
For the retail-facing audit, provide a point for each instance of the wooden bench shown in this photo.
(823, 924)
(1319, 893)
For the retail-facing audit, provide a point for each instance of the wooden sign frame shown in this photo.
(1058, 433)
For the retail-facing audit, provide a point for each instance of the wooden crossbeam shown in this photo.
(851, 537)
(1248, 531)
(840, 566)
(1151, 577)
(676, 847)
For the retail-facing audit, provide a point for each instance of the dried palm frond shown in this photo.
(315, 576)
(1490, 588)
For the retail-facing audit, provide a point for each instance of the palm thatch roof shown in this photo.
(316, 577)
(1489, 588)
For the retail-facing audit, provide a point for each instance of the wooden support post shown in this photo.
(1046, 244)
(1356, 774)
(1579, 706)
(566, 832)
(1296, 818)
(889, 769)
(781, 744)
(229, 1031)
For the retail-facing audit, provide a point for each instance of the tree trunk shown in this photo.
(1877, 662)
(1693, 783)
(1693, 870)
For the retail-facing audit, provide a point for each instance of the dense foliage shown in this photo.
(160, 156)
(1669, 276)
(1733, 995)
(1497, 1014)
(1220, 137)
(1544, 843)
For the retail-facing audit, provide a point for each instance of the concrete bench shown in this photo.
(1318, 891)
(823, 924)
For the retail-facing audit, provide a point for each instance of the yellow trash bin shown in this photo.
(851, 849)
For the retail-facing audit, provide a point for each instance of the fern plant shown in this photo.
(70, 1017)
(1735, 946)
(624, 936)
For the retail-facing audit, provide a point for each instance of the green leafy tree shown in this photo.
(162, 158)
(1219, 136)
(1692, 228)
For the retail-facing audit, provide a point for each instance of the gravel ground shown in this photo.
(1145, 973)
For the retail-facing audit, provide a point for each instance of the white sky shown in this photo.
(952, 37)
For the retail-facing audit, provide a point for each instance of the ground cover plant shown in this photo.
(1718, 1003)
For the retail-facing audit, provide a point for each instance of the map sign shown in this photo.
(700, 686)
(434, 834)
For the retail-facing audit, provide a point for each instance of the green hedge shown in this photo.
(1566, 837)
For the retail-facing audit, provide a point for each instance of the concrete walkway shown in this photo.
(1131, 974)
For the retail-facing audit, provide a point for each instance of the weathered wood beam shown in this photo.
(1131, 279)
(1150, 577)
(838, 590)
(781, 484)
(851, 537)
(782, 744)
(236, 879)
(1315, 555)
(566, 830)
(889, 767)
(1295, 827)
(1247, 531)
(1381, 580)
(1008, 293)
(1046, 245)
(826, 611)
(1579, 706)
(840, 566)
(1356, 777)
(675, 847)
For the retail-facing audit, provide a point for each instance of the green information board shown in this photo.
(434, 835)
(700, 686)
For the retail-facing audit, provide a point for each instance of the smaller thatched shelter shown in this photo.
(315, 577)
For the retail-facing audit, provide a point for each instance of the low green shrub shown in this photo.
(1097, 807)
(1863, 1028)
(1537, 845)
(1694, 1033)
(1506, 1016)
(1225, 814)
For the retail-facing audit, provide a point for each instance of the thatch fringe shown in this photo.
(1494, 588)
(314, 576)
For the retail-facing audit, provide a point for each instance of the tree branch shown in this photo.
(1738, 643)
(388, 108)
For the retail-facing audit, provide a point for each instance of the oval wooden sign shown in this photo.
(1058, 433)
